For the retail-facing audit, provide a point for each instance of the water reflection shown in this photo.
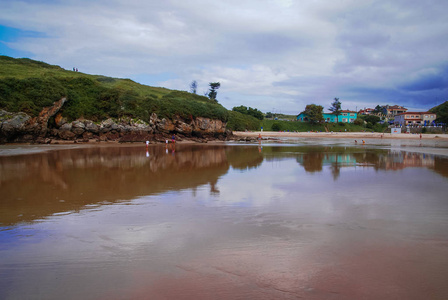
(37, 185)
(314, 159)
(223, 222)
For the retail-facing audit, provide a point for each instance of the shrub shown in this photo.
(276, 126)
(358, 122)
(241, 122)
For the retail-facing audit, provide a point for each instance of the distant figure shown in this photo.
(173, 139)
(363, 142)
(259, 136)
(420, 136)
(147, 144)
(76, 69)
(356, 142)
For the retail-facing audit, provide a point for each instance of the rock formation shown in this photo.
(20, 127)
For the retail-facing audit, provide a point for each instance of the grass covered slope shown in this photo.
(27, 85)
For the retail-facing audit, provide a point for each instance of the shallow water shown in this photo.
(274, 221)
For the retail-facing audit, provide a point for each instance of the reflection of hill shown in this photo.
(244, 157)
(35, 186)
(441, 166)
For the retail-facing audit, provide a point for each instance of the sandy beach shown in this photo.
(346, 135)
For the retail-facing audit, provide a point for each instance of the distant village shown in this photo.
(391, 114)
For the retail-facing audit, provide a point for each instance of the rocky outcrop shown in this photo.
(12, 124)
(20, 127)
(46, 114)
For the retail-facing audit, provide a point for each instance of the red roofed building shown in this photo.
(415, 118)
(366, 111)
(393, 110)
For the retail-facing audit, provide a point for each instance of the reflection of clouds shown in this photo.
(255, 188)
(275, 226)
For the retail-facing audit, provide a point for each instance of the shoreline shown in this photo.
(344, 135)
(411, 141)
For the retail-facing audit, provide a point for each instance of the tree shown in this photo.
(314, 113)
(212, 92)
(336, 107)
(241, 109)
(249, 111)
(255, 113)
(193, 86)
(378, 109)
(371, 119)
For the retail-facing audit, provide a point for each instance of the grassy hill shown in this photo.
(28, 85)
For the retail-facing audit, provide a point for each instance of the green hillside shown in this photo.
(28, 85)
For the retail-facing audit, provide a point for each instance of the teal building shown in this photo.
(346, 116)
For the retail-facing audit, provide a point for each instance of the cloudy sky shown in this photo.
(274, 55)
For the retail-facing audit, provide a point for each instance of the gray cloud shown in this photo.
(265, 53)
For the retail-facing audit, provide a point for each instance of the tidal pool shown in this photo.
(271, 221)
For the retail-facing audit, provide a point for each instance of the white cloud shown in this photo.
(265, 53)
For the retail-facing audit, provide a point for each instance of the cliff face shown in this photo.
(50, 126)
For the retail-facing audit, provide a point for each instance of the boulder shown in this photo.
(78, 127)
(92, 127)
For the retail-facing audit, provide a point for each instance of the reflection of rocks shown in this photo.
(19, 127)
(79, 177)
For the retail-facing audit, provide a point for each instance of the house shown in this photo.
(393, 110)
(346, 116)
(366, 111)
(415, 118)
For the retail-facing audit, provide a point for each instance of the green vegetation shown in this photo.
(212, 92)
(249, 111)
(241, 122)
(277, 125)
(270, 115)
(314, 113)
(442, 112)
(27, 85)
(336, 107)
(372, 123)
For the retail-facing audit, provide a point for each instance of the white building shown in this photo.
(415, 118)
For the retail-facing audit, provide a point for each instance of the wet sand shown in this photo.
(277, 221)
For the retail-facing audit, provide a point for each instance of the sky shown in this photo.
(273, 55)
